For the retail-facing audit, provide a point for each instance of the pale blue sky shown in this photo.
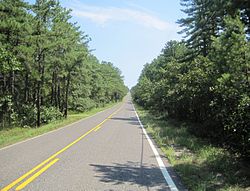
(128, 33)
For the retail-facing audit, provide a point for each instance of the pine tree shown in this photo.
(199, 25)
(14, 30)
(46, 67)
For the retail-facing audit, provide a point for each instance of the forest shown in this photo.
(47, 68)
(205, 78)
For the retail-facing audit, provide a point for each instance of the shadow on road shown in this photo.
(130, 120)
(148, 175)
(132, 173)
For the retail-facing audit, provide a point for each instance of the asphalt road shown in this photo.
(108, 151)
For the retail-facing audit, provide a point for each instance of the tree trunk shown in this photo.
(4, 84)
(26, 88)
(52, 98)
(66, 96)
(58, 96)
(38, 105)
(13, 84)
(38, 97)
(42, 83)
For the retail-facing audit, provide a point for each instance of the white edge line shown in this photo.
(60, 128)
(163, 168)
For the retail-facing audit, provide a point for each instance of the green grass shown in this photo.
(12, 135)
(200, 165)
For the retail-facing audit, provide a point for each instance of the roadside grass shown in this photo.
(201, 166)
(15, 134)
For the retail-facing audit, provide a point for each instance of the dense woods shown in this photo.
(46, 67)
(205, 78)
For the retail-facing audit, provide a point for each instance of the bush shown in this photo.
(49, 114)
(237, 127)
(27, 115)
(82, 104)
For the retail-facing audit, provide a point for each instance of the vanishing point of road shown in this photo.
(106, 152)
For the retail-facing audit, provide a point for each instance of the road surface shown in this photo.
(108, 151)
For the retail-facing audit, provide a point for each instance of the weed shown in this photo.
(16, 134)
(201, 166)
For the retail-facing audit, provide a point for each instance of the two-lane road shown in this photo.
(108, 151)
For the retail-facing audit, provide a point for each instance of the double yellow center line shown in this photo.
(29, 180)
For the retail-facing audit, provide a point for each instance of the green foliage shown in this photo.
(8, 62)
(46, 67)
(200, 165)
(12, 135)
(27, 115)
(205, 19)
(211, 89)
(50, 114)
(82, 104)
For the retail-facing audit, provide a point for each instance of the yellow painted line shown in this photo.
(109, 117)
(29, 180)
(53, 156)
(100, 125)
(25, 175)
(98, 128)
(44, 162)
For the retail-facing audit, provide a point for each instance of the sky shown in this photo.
(128, 33)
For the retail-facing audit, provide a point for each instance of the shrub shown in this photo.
(49, 114)
(82, 104)
(27, 115)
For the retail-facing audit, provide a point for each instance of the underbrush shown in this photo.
(200, 165)
(15, 134)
